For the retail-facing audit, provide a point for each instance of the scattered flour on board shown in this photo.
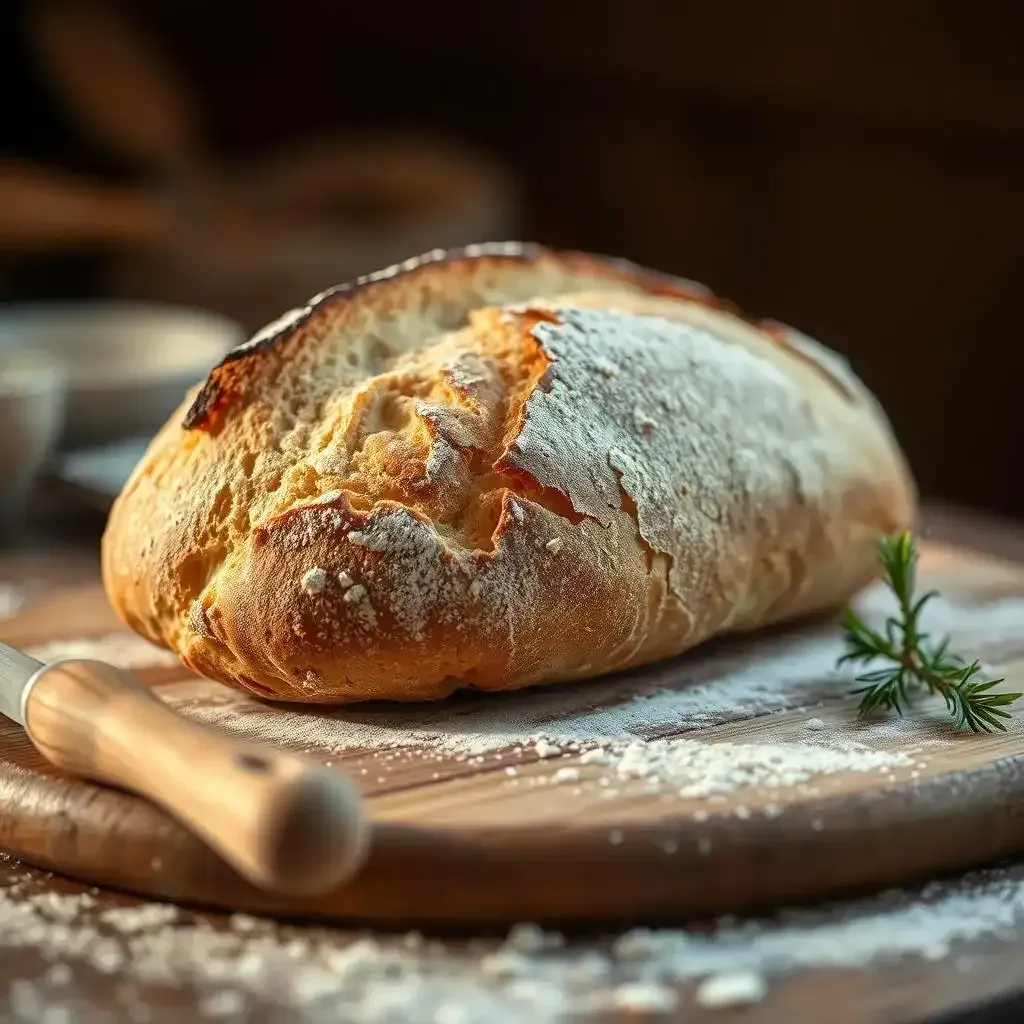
(772, 674)
(702, 770)
(731, 989)
(125, 650)
(636, 726)
(243, 968)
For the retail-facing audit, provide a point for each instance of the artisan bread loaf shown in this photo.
(495, 468)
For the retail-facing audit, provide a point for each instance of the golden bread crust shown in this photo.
(497, 468)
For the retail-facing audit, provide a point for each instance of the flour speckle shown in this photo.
(317, 518)
(226, 1003)
(60, 974)
(644, 998)
(315, 580)
(738, 989)
(527, 938)
(322, 975)
(545, 749)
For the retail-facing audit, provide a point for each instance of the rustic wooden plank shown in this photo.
(494, 834)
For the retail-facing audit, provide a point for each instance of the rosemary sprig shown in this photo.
(911, 662)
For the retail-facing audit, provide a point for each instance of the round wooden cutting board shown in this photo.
(751, 781)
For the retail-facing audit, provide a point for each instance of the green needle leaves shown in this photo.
(909, 662)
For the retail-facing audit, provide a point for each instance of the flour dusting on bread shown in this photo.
(736, 431)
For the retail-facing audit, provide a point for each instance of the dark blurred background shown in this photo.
(856, 169)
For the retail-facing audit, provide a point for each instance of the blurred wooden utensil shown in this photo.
(127, 96)
(117, 84)
(44, 209)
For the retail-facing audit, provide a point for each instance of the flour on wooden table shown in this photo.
(731, 989)
(241, 968)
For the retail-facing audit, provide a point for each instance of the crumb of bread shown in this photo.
(555, 545)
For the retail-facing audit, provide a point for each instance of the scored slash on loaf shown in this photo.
(496, 468)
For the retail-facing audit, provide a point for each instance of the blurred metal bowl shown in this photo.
(31, 411)
(127, 365)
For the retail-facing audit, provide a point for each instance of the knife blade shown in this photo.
(283, 821)
(16, 673)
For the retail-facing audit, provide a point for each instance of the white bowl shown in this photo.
(31, 411)
(127, 365)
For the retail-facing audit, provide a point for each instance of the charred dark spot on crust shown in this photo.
(221, 386)
(227, 378)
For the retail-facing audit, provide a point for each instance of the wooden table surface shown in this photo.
(952, 950)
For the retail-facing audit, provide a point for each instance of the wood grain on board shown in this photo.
(459, 839)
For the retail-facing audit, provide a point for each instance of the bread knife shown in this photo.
(283, 821)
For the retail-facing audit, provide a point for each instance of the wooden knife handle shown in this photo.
(284, 821)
